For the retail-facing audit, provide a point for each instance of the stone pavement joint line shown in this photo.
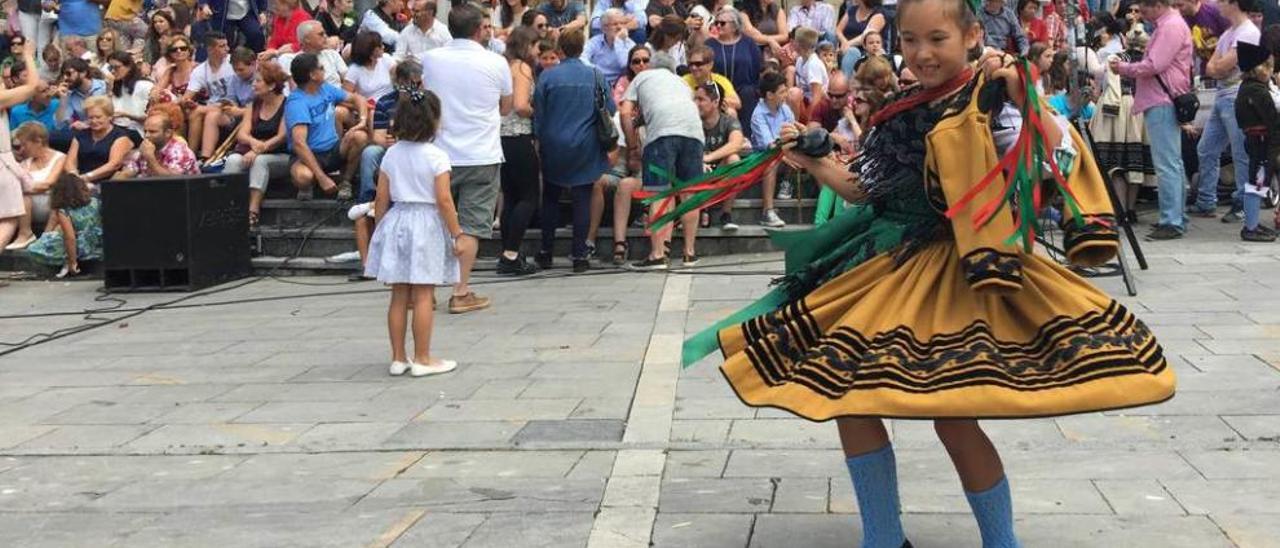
(630, 504)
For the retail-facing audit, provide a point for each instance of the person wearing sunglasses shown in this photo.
(701, 59)
(737, 59)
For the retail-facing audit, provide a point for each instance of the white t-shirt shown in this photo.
(811, 70)
(216, 81)
(412, 168)
(335, 69)
(470, 82)
(667, 105)
(133, 104)
(1244, 32)
(372, 83)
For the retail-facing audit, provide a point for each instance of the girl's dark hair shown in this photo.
(1270, 39)
(959, 12)
(69, 192)
(529, 17)
(518, 43)
(1023, 4)
(753, 9)
(508, 18)
(181, 16)
(417, 115)
(631, 71)
(124, 86)
(364, 46)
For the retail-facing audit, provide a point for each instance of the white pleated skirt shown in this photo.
(411, 245)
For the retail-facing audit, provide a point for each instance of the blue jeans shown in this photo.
(370, 161)
(849, 59)
(1220, 130)
(1165, 137)
(680, 157)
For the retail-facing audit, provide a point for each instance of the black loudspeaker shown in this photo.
(179, 233)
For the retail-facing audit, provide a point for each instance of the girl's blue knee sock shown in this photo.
(875, 483)
(993, 509)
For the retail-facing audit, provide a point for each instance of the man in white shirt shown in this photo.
(426, 32)
(474, 86)
(382, 20)
(312, 38)
(212, 78)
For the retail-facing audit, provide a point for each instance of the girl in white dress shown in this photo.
(414, 247)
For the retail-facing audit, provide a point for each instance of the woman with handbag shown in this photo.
(573, 122)
(13, 178)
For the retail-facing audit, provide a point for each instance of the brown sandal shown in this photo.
(620, 253)
(253, 220)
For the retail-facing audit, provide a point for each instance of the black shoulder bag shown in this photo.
(1185, 106)
(606, 131)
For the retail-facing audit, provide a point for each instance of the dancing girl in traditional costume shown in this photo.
(924, 300)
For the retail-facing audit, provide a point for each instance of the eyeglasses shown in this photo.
(540, 26)
(837, 96)
(116, 67)
(640, 61)
(175, 49)
(721, 22)
(699, 63)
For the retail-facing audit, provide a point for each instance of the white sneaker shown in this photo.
(771, 219)
(398, 368)
(347, 257)
(786, 189)
(360, 210)
(419, 370)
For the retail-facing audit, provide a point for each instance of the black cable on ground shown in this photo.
(174, 304)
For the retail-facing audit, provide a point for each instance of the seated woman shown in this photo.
(261, 138)
(369, 74)
(130, 92)
(97, 152)
(174, 75)
(44, 165)
(74, 232)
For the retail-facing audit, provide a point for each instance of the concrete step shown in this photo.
(325, 241)
(292, 213)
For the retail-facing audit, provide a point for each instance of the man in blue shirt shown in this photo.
(767, 120)
(39, 109)
(563, 15)
(309, 114)
(75, 88)
(608, 50)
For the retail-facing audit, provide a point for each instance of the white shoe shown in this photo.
(786, 189)
(16, 245)
(398, 368)
(347, 257)
(360, 210)
(772, 220)
(419, 370)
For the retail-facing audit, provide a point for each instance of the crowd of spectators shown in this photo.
(299, 92)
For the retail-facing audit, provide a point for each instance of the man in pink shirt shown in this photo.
(1168, 58)
(160, 153)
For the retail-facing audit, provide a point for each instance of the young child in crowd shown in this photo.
(548, 54)
(1256, 115)
(811, 74)
(74, 232)
(767, 121)
(414, 246)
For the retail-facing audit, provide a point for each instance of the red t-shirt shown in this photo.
(285, 31)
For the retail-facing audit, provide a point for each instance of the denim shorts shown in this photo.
(679, 156)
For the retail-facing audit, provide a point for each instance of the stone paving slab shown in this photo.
(275, 424)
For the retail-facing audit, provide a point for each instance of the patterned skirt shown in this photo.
(411, 245)
(915, 341)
